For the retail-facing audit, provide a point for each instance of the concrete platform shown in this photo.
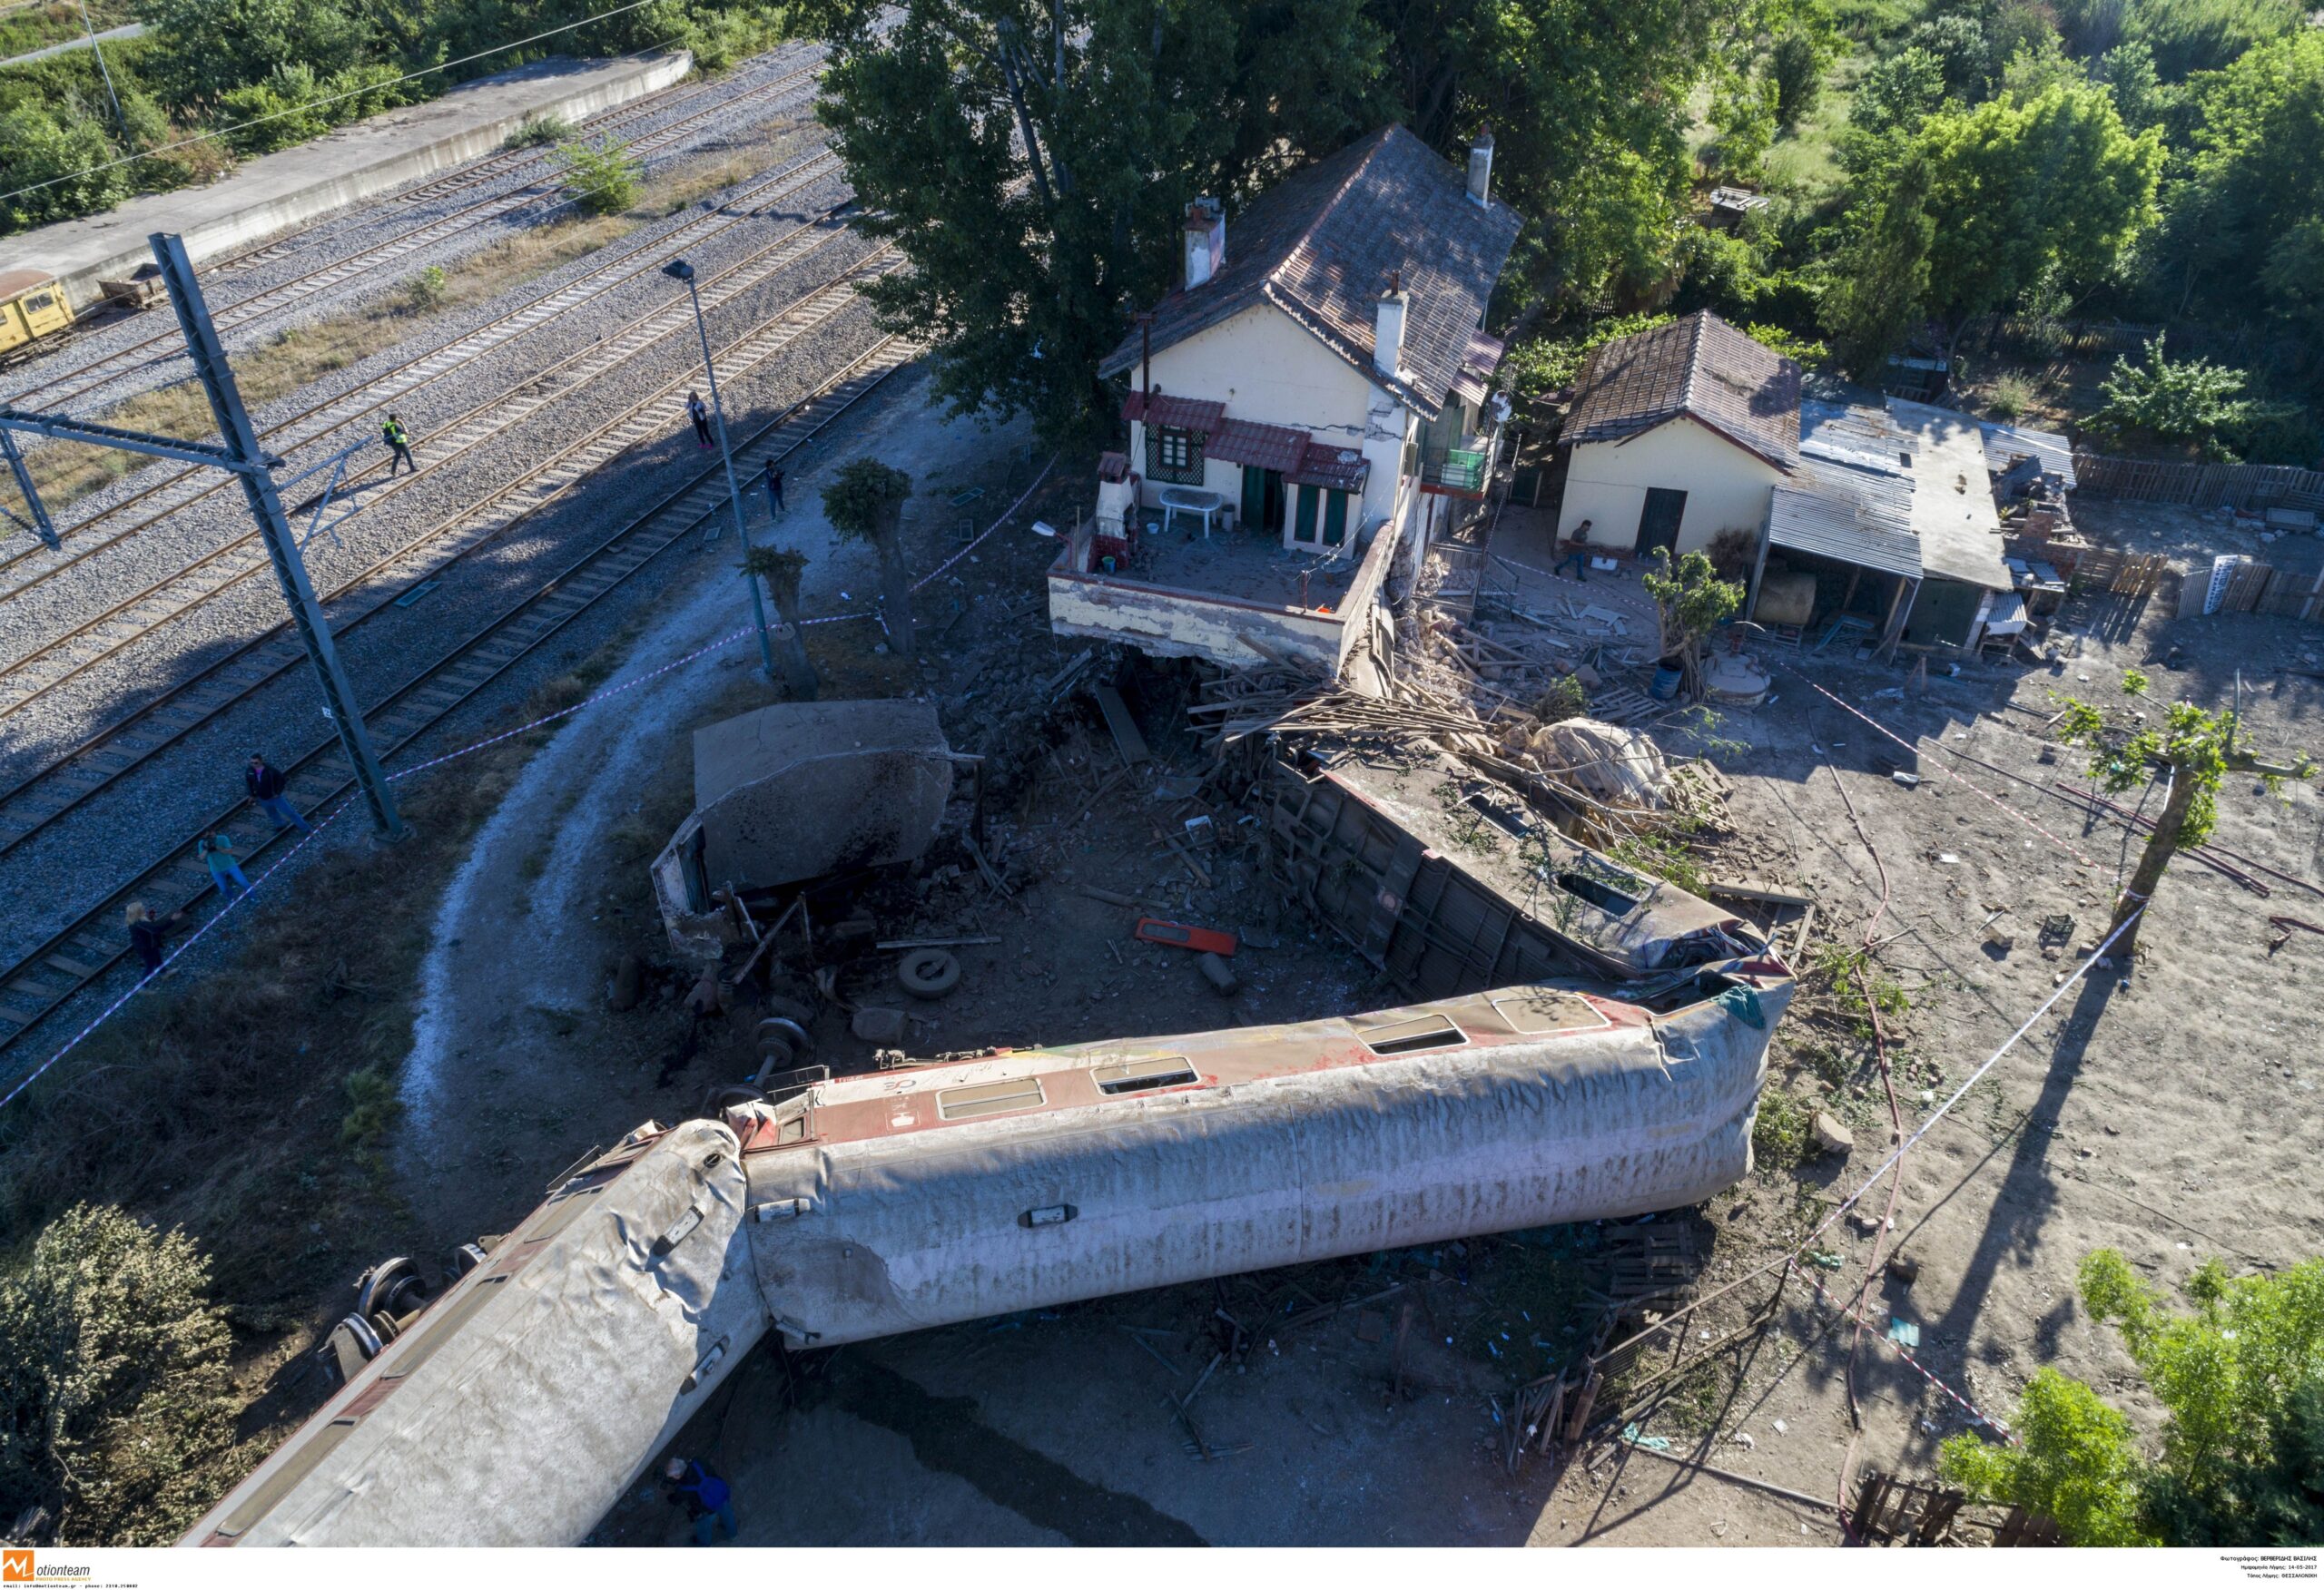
(265, 195)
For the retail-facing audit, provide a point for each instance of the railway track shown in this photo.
(393, 385)
(86, 951)
(161, 721)
(62, 388)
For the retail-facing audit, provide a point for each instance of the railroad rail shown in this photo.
(399, 382)
(34, 674)
(88, 949)
(59, 390)
(158, 721)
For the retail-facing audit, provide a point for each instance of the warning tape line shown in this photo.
(1850, 1312)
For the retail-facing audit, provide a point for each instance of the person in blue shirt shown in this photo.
(694, 1485)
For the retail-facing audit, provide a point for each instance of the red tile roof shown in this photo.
(1194, 413)
(1700, 367)
(1258, 447)
(1321, 244)
(1333, 468)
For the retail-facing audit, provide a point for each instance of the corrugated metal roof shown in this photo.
(2004, 442)
(1851, 515)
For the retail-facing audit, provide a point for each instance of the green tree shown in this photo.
(781, 568)
(1879, 287)
(1032, 163)
(1743, 111)
(2241, 1378)
(865, 502)
(601, 177)
(2074, 1462)
(114, 1387)
(204, 50)
(1796, 67)
(1893, 98)
(62, 150)
(2054, 183)
(2140, 99)
(2188, 399)
(2254, 179)
(2192, 744)
(1689, 602)
(2188, 36)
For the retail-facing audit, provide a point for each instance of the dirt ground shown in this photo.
(2163, 1110)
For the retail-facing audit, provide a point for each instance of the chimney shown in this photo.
(1206, 241)
(1480, 169)
(1388, 327)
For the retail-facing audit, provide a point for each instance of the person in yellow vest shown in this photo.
(400, 440)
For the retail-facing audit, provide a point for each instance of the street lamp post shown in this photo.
(679, 270)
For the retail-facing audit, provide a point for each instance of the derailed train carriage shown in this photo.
(516, 1407)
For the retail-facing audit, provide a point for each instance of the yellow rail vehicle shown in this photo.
(32, 306)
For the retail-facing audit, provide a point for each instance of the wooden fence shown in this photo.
(2257, 588)
(2251, 487)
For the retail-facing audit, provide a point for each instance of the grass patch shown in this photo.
(1847, 975)
(36, 27)
(1779, 1131)
(1665, 856)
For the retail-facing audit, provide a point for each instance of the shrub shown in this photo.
(425, 291)
(2190, 400)
(537, 131)
(113, 1377)
(1796, 66)
(2010, 396)
(1780, 1130)
(603, 176)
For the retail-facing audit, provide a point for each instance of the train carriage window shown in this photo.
(988, 1098)
(1129, 1076)
(1432, 1031)
(1606, 888)
(1542, 1010)
(39, 302)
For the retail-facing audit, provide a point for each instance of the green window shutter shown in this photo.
(1304, 528)
(1335, 518)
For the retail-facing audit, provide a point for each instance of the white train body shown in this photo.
(517, 1408)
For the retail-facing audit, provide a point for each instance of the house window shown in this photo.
(1173, 456)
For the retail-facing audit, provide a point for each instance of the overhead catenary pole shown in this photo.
(682, 272)
(98, 50)
(250, 464)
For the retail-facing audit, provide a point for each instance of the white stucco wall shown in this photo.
(1267, 367)
(1606, 483)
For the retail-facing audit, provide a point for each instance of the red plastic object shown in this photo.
(1180, 936)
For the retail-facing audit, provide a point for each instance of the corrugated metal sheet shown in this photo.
(2004, 442)
(1851, 515)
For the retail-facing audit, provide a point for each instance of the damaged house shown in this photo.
(1874, 523)
(1303, 412)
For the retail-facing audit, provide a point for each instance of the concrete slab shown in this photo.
(265, 195)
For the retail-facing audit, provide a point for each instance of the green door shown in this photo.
(1335, 518)
(1303, 529)
(1255, 498)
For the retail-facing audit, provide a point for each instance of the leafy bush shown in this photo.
(538, 131)
(60, 150)
(1743, 111)
(1531, 370)
(113, 1379)
(2242, 1456)
(603, 176)
(1804, 352)
(2189, 400)
(2009, 397)
(425, 291)
(1796, 67)
(1780, 1130)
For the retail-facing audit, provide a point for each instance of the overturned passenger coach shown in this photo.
(1584, 1043)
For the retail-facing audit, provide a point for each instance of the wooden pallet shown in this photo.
(1621, 704)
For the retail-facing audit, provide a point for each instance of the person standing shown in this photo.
(774, 489)
(1576, 557)
(400, 440)
(693, 1486)
(266, 784)
(148, 933)
(699, 412)
(217, 852)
